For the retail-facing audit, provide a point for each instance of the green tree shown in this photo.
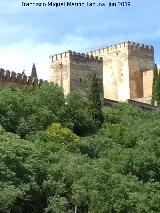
(157, 90)
(155, 75)
(34, 72)
(16, 178)
(60, 138)
(116, 169)
(95, 108)
(76, 114)
(30, 109)
(57, 204)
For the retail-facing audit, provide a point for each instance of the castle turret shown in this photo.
(73, 71)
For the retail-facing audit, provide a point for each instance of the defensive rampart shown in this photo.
(8, 78)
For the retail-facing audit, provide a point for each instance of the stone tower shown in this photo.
(73, 71)
(126, 70)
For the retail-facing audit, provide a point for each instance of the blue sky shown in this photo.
(31, 34)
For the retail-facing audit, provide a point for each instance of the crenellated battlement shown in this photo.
(7, 77)
(140, 47)
(59, 56)
(85, 57)
(124, 45)
(97, 55)
(76, 57)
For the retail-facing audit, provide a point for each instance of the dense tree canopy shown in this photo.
(46, 166)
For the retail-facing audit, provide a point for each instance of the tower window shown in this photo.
(80, 80)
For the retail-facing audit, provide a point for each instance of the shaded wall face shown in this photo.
(59, 71)
(141, 64)
(136, 84)
(82, 71)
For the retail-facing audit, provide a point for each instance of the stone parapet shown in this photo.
(77, 57)
(129, 45)
(7, 77)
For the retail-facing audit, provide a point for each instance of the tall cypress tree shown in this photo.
(95, 102)
(157, 89)
(34, 72)
(155, 75)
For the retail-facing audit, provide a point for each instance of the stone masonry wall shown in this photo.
(127, 70)
(115, 71)
(59, 72)
(12, 79)
(147, 83)
(141, 65)
(82, 68)
(73, 71)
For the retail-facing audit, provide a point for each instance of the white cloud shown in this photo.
(20, 56)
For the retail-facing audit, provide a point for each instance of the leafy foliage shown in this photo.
(95, 102)
(30, 109)
(155, 75)
(24, 111)
(57, 137)
(157, 90)
(52, 170)
(34, 72)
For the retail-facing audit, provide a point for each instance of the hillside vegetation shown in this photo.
(56, 153)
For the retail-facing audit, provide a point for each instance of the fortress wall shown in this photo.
(141, 64)
(116, 69)
(127, 70)
(82, 68)
(12, 79)
(59, 71)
